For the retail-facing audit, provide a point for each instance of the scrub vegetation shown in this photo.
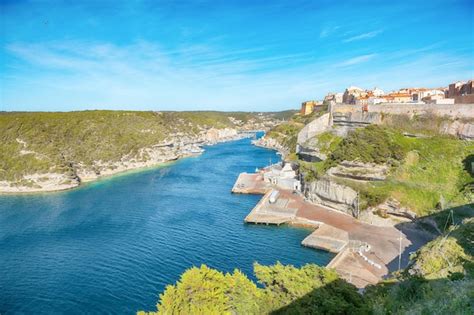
(427, 174)
(284, 290)
(55, 141)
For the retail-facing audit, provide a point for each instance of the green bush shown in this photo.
(372, 144)
(286, 290)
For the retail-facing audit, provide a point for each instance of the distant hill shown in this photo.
(58, 150)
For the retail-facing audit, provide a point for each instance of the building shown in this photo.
(427, 95)
(362, 100)
(309, 106)
(462, 92)
(444, 101)
(283, 177)
(398, 97)
(454, 89)
(351, 93)
(377, 92)
(374, 100)
(431, 96)
(334, 98)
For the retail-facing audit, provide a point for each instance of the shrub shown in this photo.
(372, 144)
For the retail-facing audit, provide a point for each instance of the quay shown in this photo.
(365, 253)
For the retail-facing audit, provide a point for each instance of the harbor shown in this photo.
(365, 253)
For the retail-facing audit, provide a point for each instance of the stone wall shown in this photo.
(315, 127)
(449, 110)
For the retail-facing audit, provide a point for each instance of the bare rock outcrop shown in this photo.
(463, 130)
(359, 171)
(331, 194)
(271, 143)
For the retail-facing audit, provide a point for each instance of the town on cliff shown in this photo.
(459, 92)
(364, 169)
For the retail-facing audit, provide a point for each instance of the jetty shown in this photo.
(248, 183)
(363, 251)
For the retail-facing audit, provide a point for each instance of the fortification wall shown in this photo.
(450, 110)
(317, 126)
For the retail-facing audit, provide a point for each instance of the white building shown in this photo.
(283, 177)
(377, 92)
(373, 100)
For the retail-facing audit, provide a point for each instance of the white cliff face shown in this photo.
(463, 130)
(40, 182)
(177, 146)
(271, 143)
(328, 193)
(216, 135)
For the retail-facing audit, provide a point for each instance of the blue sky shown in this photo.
(224, 55)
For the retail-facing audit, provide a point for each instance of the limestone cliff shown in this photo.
(331, 194)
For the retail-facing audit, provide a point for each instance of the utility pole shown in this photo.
(400, 252)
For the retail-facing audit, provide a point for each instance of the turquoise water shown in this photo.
(112, 246)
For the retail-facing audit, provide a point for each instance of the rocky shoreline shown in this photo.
(178, 147)
(270, 143)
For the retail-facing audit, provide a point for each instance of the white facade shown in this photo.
(376, 100)
(284, 178)
(378, 92)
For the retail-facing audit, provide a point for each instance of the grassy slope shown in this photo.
(427, 173)
(451, 253)
(432, 172)
(55, 139)
(440, 279)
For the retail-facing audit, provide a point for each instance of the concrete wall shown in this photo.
(315, 127)
(452, 111)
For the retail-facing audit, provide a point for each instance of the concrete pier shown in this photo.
(364, 251)
(250, 184)
(328, 238)
(268, 213)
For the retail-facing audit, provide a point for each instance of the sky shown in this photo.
(224, 55)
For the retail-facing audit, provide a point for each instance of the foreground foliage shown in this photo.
(451, 255)
(286, 290)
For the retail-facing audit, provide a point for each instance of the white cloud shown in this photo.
(326, 31)
(363, 36)
(356, 60)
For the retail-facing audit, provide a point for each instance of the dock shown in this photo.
(248, 183)
(327, 237)
(363, 251)
(276, 213)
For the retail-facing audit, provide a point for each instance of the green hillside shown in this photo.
(56, 141)
(426, 173)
